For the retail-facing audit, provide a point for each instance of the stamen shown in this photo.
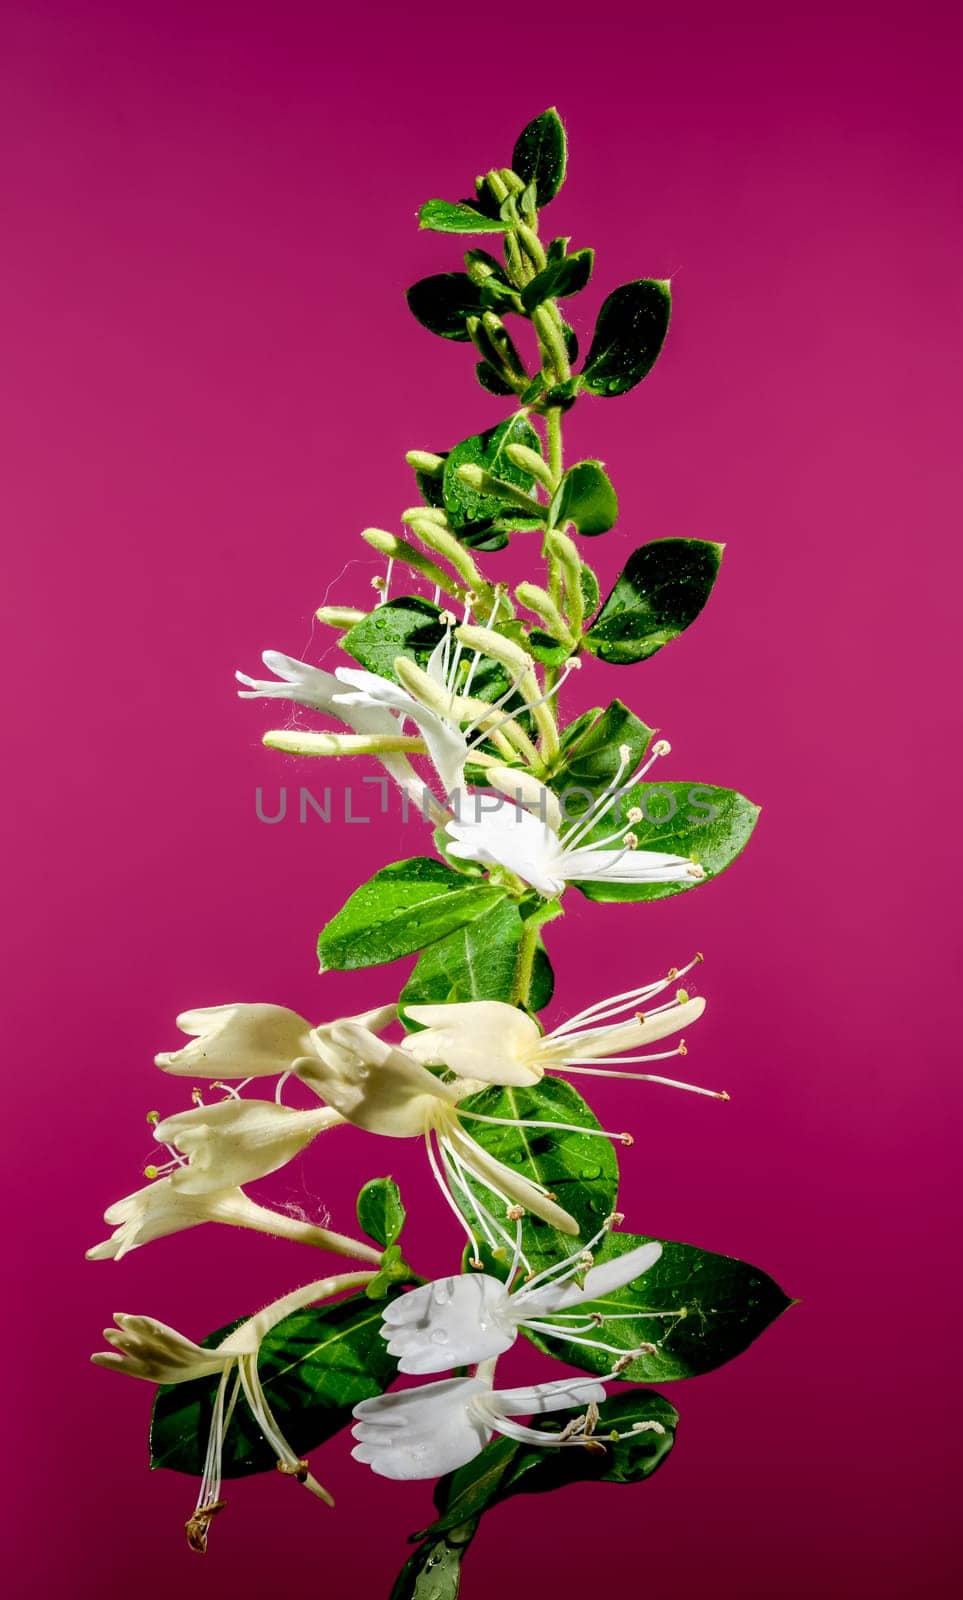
(592, 1344)
(462, 1172)
(449, 1197)
(603, 806)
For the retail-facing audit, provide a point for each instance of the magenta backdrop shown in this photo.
(210, 380)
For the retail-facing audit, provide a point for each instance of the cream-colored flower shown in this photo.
(235, 1141)
(249, 1040)
(490, 1041)
(381, 1088)
(148, 1349)
(161, 1209)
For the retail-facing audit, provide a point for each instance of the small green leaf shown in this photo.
(506, 1468)
(559, 279)
(590, 754)
(401, 909)
(477, 962)
(314, 1367)
(491, 379)
(380, 1211)
(716, 1307)
(590, 589)
(412, 627)
(629, 333)
(443, 303)
(393, 1270)
(551, 652)
(433, 1572)
(470, 511)
(539, 155)
(697, 820)
(586, 497)
(662, 589)
(443, 216)
(580, 1169)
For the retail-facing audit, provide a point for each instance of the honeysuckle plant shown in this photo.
(456, 684)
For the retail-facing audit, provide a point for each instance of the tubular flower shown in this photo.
(321, 691)
(424, 1432)
(493, 1042)
(548, 857)
(462, 1320)
(161, 1209)
(145, 1348)
(235, 1141)
(381, 1088)
(249, 1040)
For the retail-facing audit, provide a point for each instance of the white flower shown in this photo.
(424, 1432)
(462, 1320)
(493, 1042)
(321, 691)
(235, 1141)
(161, 1209)
(148, 1349)
(446, 744)
(549, 858)
(249, 1040)
(381, 1088)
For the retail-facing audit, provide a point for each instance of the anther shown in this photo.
(152, 1172)
(634, 814)
(378, 583)
(682, 996)
(300, 1470)
(152, 1117)
(477, 1264)
(516, 1213)
(626, 1138)
(631, 841)
(196, 1527)
(197, 1097)
(683, 1051)
(447, 619)
(661, 747)
(625, 754)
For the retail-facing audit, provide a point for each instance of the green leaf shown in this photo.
(506, 1468)
(697, 820)
(477, 962)
(443, 303)
(717, 1307)
(661, 590)
(586, 497)
(403, 908)
(491, 379)
(380, 1211)
(539, 155)
(314, 1367)
(393, 1269)
(629, 333)
(411, 627)
(590, 758)
(470, 512)
(580, 1169)
(559, 279)
(443, 216)
(434, 1570)
(590, 589)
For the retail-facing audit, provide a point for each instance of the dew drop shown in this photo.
(439, 1336)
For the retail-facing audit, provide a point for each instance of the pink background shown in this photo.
(210, 378)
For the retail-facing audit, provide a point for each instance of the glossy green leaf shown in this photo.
(477, 962)
(393, 1270)
(629, 333)
(491, 379)
(716, 1307)
(433, 1572)
(586, 497)
(445, 216)
(314, 1367)
(401, 909)
(443, 303)
(661, 590)
(580, 1169)
(470, 512)
(559, 279)
(411, 627)
(380, 1211)
(539, 155)
(590, 754)
(697, 820)
(505, 1468)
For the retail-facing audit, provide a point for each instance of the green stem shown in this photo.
(525, 964)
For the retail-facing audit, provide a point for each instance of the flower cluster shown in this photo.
(454, 685)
